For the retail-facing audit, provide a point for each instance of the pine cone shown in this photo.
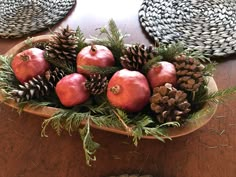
(96, 84)
(169, 104)
(189, 73)
(62, 45)
(136, 56)
(38, 86)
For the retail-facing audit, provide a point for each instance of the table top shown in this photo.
(209, 151)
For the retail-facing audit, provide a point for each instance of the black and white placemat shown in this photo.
(205, 25)
(22, 17)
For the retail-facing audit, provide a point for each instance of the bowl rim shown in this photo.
(172, 132)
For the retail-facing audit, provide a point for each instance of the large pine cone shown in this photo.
(136, 56)
(169, 104)
(62, 45)
(189, 73)
(96, 84)
(38, 86)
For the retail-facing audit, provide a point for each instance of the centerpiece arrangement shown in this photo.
(138, 90)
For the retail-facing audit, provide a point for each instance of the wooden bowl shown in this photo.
(172, 132)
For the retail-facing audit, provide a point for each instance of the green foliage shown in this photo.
(100, 70)
(197, 55)
(89, 145)
(64, 119)
(150, 63)
(8, 80)
(168, 52)
(217, 96)
(80, 39)
(62, 64)
(113, 39)
(209, 69)
(207, 109)
(143, 125)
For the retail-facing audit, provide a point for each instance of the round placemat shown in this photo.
(205, 25)
(22, 17)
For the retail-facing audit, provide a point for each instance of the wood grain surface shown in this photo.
(208, 152)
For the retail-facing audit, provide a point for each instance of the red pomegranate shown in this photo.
(94, 55)
(71, 90)
(128, 90)
(28, 64)
(163, 72)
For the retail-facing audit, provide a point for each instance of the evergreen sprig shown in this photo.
(100, 70)
(68, 120)
(62, 64)
(216, 97)
(168, 52)
(89, 145)
(197, 55)
(144, 127)
(113, 39)
(207, 109)
(80, 39)
(209, 69)
(8, 81)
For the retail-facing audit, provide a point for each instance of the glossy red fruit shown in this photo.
(71, 90)
(163, 72)
(28, 64)
(128, 90)
(94, 55)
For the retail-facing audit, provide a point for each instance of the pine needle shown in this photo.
(113, 39)
(64, 119)
(100, 70)
(197, 55)
(199, 114)
(168, 52)
(122, 115)
(80, 39)
(62, 64)
(209, 69)
(138, 130)
(217, 96)
(8, 80)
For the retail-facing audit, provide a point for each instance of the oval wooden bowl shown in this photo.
(172, 132)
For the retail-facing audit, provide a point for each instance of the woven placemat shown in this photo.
(205, 25)
(22, 17)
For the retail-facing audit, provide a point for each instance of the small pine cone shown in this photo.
(38, 86)
(189, 73)
(96, 84)
(136, 56)
(169, 104)
(62, 45)
(52, 77)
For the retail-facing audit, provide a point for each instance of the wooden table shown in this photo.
(208, 152)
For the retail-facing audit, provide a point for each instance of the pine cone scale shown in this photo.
(38, 86)
(169, 104)
(189, 73)
(63, 46)
(96, 84)
(136, 56)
